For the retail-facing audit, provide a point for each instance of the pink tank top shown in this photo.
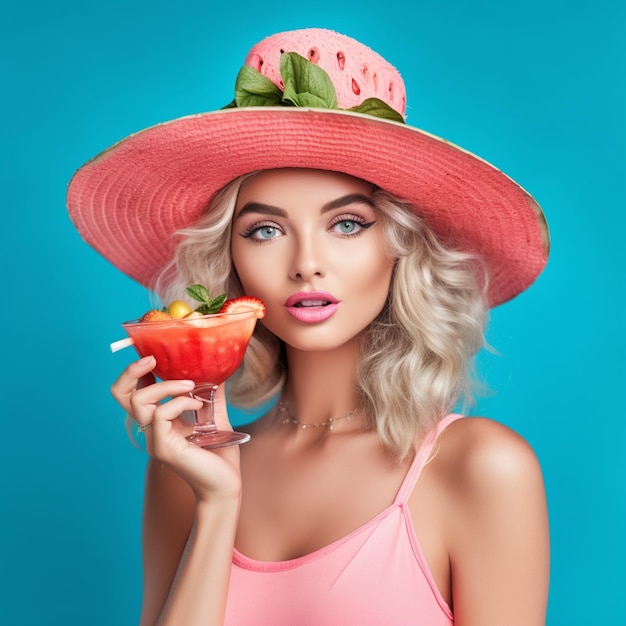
(375, 575)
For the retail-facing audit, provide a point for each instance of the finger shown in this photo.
(175, 416)
(158, 392)
(129, 378)
(169, 411)
(146, 380)
(166, 418)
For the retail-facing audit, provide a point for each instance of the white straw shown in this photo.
(121, 344)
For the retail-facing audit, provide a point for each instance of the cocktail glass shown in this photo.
(206, 350)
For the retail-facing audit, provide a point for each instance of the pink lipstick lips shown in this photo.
(311, 307)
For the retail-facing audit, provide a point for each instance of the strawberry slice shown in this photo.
(245, 303)
(155, 316)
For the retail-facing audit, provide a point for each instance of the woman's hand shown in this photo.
(211, 474)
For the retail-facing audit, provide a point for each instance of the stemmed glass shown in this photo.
(207, 350)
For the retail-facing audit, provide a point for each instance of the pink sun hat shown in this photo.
(305, 99)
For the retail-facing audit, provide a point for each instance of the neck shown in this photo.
(320, 385)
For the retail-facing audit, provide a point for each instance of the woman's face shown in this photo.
(309, 244)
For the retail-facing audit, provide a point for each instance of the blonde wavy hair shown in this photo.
(417, 356)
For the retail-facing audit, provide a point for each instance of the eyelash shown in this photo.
(363, 225)
(249, 232)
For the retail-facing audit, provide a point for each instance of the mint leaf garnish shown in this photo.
(199, 293)
(215, 304)
(208, 306)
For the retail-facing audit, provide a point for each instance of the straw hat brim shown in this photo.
(129, 201)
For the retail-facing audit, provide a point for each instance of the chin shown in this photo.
(320, 341)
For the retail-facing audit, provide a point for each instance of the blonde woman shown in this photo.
(362, 497)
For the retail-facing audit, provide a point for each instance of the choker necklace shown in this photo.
(290, 419)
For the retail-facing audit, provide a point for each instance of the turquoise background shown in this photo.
(536, 87)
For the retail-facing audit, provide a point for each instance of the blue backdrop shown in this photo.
(536, 87)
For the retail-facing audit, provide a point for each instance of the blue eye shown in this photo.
(347, 227)
(262, 232)
(265, 232)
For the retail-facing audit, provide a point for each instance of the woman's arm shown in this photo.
(168, 517)
(191, 504)
(200, 588)
(497, 529)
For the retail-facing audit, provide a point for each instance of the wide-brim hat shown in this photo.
(129, 201)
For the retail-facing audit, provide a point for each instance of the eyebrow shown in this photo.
(337, 203)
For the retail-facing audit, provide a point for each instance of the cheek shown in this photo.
(252, 269)
(258, 276)
(368, 281)
(372, 271)
(378, 286)
(244, 265)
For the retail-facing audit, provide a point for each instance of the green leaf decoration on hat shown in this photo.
(378, 108)
(252, 89)
(305, 85)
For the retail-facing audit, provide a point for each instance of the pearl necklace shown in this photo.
(290, 419)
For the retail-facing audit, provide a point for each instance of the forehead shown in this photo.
(281, 187)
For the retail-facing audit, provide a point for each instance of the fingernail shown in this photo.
(187, 383)
(145, 360)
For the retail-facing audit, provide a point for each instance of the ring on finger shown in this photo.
(142, 428)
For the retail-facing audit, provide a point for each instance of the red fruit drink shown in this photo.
(204, 349)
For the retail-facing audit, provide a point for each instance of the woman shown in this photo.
(377, 250)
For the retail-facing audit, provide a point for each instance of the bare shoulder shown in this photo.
(479, 457)
(487, 477)
(495, 524)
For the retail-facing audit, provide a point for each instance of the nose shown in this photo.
(307, 260)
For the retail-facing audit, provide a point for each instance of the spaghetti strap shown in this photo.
(422, 457)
